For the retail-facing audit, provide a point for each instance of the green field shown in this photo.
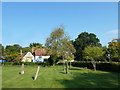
(54, 77)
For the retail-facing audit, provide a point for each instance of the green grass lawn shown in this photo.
(54, 77)
(0, 77)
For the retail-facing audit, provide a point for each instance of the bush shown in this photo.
(53, 60)
(27, 63)
(8, 63)
(112, 66)
(104, 66)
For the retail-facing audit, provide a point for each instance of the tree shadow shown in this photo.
(75, 69)
(91, 80)
(63, 72)
(33, 77)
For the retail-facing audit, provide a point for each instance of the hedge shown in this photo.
(109, 66)
(26, 63)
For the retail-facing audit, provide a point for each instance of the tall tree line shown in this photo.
(60, 46)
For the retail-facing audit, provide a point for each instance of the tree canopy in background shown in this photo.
(114, 49)
(59, 46)
(83, 40)
(13, 52)
(1, 50)
(38, 45)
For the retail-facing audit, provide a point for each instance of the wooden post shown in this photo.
(22, 70)
(37, 73)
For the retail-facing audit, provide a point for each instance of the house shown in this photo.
(39, 55)
(28, 57)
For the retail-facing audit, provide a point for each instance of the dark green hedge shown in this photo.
(27, 63)
(109, 66)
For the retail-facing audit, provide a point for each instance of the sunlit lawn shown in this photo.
(0, 77)
(54, 77)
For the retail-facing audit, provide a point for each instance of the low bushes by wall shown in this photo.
(104, 66)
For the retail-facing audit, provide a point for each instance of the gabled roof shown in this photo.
(39, 52)
(28, 54)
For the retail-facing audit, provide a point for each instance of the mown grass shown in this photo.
(54, 77)
(0, 77)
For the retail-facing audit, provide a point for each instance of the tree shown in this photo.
(26, 49)
(93, 53)
(38, 45)
(114, 49)
(1, 50)
(60, 44)
(13, 52)
(105, 56)
(83, 40)
(69, 60)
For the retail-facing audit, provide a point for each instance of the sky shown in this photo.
(27, 22)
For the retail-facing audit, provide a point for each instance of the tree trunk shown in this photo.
(22, 70)
(66, 67)
(37, 73)
(70, 64)
(53, 63)
(94, 65)
(63, 64)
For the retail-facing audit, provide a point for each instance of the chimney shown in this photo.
(32, 49)
(21, 52)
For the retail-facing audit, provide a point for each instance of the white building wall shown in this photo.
(38, 58)
(41, 58)
(28, 55)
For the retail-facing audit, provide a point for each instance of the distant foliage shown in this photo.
(114, 50)
(1, 50)
(38, 45)
(83, 40)
(13, 52)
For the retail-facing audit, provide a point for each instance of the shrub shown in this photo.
(27, 63)
(104, 66)
(8, 63)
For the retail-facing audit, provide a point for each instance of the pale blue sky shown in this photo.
(24, 23)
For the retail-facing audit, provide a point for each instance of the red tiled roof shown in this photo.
(39, 52)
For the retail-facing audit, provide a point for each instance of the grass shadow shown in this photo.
(75, 69)
(91, 80)
(62, 72)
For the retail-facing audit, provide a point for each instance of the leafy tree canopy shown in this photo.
(59, 43)
(114, 49)
(92, 52)
(38, 45)
(1, 50)
(13, 52)
(83, 40)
